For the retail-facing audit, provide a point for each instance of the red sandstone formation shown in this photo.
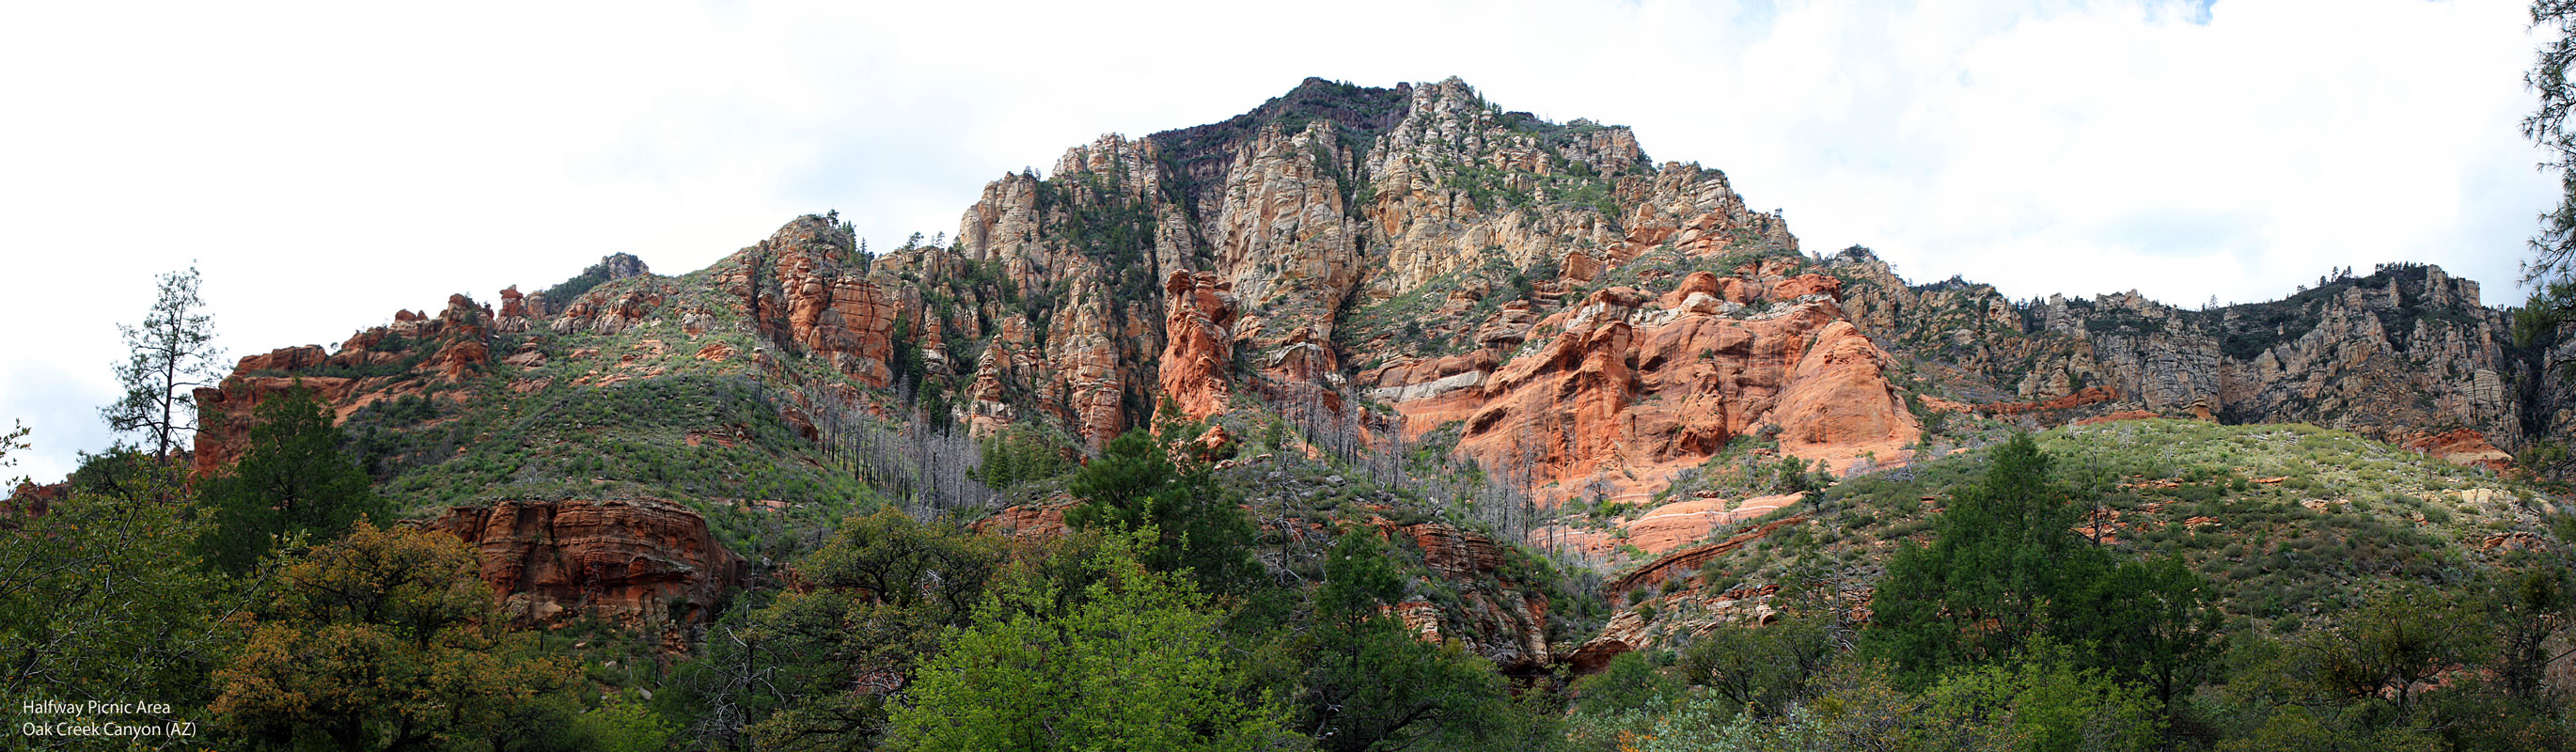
(1044, 520)
(1198, 344)
(457, 340)
(1670, 526)
(2090, 395)
(1622, 389)
(1686, 562)
(637, 560)
(2465, 447)
(2118, 416)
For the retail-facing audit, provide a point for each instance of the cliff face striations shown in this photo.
(1384, 268)
(2404, 353)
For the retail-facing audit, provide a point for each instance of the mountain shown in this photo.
(1523, 319)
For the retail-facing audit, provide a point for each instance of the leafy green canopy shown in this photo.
(1134, 661)
(2006, 568)
(881, 593)
(293, 480)
(102, 598)
(1135, 484)
(1370, 683)
(386, 639)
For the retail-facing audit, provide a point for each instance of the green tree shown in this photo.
(1372, 684)
(386, 639)
(2528, 609)
(2402, 639)
(1017, 455)
(103, 598)
(2004, 551)
(293, 479)
(167, 357)
(2552, 269)
(1133, 662)
(620, 727)
(1134, 484)
(879, 595)
(2043, 702)
(1762, 668)
(1629, 682)
(2154, 622)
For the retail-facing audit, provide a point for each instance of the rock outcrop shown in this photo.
(640, 561)
(375, 364)
(1198, 343)
(1613, 396)
(797, 288)
(2404, 352)
(2463, 447)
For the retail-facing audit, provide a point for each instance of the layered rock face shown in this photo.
(2405, 352)
(641, 561)
(1198, 347)
(1506, 625)
(1299, 219)
(1417, 258)
(376, 364)
(800, 288)
(1615, 395)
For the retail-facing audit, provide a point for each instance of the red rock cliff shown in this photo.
(640, 560)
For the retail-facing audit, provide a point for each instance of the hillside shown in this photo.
(1604, 410)
(2297, 524)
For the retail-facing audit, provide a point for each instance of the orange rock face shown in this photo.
(285, 359)
(1839, 407)
(1035, 520)
(2466, 447)
(1619, 392)
(1685, 562)
(796, 288)
(2118, 416)
(515, 316)
(634, 560)
(1670, 526)
(2085, 396)
(457, 359)
(1198, 343)
(458, 340)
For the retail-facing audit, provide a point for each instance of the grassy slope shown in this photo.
(485, 439)
(2351, 514)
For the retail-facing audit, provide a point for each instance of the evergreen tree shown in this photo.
(168, 356)
(2155, 622)
(1372, 684)
(294, 479)
(1135, 484)
(881, 592)
(2002, 551)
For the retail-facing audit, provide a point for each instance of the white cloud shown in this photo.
(329, 163)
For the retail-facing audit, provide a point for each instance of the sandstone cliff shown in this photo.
(643, 561)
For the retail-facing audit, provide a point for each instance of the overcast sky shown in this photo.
(327, 164)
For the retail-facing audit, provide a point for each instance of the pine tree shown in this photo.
(1135, 484)
(168, 356)
(293, 479)
(1989, 581)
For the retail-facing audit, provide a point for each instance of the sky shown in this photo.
(325, 164)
